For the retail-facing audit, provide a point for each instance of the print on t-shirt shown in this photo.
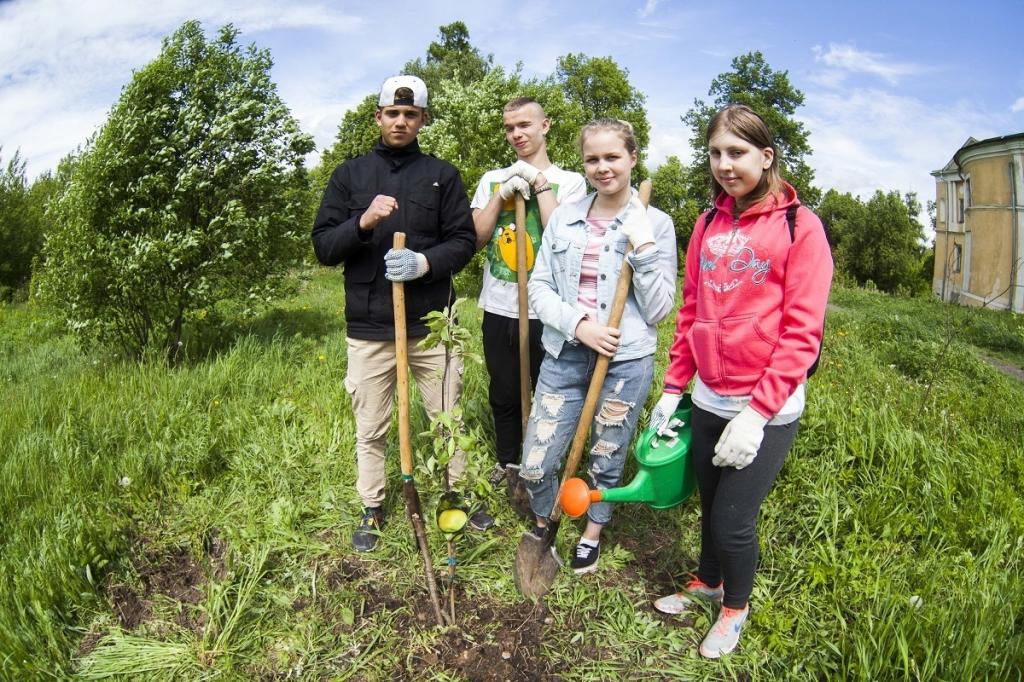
(501, 251)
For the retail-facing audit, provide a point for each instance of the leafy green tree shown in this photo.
(20, 233)
(670, 195)
(754, 83)
(884, 245)
(602, 89)
(467, 124)
(840, 213)
(22, 223)
(192, 192)
(453, 57)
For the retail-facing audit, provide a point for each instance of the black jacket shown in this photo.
(434, 213)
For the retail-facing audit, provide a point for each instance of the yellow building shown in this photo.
(979, 224)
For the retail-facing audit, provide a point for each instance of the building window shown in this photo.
(956, 257)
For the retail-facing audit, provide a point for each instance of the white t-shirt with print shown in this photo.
(500, 293)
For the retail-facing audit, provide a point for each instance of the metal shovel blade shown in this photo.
(518, 496)
(537, 563)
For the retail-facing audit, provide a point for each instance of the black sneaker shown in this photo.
(368, 533)
(481, 520)
(585, 559)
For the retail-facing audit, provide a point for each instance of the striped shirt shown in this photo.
(587, 298)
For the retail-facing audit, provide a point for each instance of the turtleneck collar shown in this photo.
(397, 156)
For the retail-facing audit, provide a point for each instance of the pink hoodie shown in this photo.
(753, 302)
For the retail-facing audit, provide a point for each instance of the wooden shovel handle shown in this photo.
(601, 367)
(402, 367)
(524, 309)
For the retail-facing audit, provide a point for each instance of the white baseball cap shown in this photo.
(391, 92)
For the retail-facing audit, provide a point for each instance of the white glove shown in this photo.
(512, 185)
(636, 226)
(740, 440)
(524, 170)
(662, 413)
(403, 265)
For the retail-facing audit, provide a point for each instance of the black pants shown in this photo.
(501, 353)
(730, 501)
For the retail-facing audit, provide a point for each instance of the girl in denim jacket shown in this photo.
(757, 279)
(571, 290)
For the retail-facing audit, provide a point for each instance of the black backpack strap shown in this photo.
(791, 221)
(710, 216)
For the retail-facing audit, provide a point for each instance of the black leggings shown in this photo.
(730, 500)
(501, 354)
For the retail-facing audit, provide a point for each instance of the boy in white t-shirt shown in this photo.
(544, 186)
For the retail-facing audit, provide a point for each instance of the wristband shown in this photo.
(545, 188)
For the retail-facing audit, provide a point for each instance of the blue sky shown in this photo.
(892, 88)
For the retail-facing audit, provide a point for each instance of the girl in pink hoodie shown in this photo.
(754, 296)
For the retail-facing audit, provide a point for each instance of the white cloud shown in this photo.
(846, 59)
(648, 9)
(1018, 105)
(63, 63)
(868, 139)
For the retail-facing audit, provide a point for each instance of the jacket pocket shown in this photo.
(422, 213)
(358, 203)
(703, 342)
(746, 348)
(559, 254)
(361, 267)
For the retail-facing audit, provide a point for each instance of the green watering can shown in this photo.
(663, 480)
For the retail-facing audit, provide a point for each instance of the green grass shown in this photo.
(195, 523)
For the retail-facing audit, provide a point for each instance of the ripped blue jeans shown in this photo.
(557, 404)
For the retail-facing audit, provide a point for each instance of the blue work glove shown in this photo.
(404, 265)
(740, 440)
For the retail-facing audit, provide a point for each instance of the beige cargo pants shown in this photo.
(371, 381)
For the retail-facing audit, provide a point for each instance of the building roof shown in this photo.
(972, 143)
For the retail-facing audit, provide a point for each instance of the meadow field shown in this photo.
(195, 523)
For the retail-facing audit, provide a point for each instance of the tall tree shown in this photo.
(191, 193)
(602, 89)
(670, 195)
(22, 223)
(451, 57)
(885, 246)
(841, 214)
(754, 83)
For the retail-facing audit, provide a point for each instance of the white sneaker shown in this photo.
(725, 633)
(683, 601)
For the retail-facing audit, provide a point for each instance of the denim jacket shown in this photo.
(555, 280)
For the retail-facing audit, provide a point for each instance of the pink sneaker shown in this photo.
(683, 601)
(725, 633)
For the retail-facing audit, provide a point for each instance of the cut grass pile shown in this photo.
(195, 523)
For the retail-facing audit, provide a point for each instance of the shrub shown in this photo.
(192, 192)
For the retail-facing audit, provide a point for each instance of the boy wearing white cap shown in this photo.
(394, 188)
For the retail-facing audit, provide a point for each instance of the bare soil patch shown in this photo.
(172, 573)
(490, 642)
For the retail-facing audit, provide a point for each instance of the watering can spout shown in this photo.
(640, 489)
